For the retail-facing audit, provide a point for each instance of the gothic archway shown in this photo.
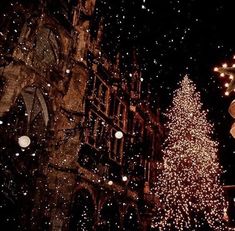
(82, 212)
(109, 216)
(21, 165)
(131, 220)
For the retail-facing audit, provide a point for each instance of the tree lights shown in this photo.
(189, 186)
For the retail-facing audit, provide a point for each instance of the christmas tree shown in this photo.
(189, 187)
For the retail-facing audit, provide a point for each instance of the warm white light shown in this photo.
(222, 75)
(190, 177)
(233, 65)
(24, 141)
(124, 178)
(225, 65)
(110, 182)
(226, 84)
(231, 77)
(216, 69)
(119, 135)
(226, 93)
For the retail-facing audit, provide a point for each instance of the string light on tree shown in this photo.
(189, 186)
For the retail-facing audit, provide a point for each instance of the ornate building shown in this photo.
(80, 145)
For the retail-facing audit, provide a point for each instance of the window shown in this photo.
(46, 49)
(138, 129)
(119, 113)
(100, 93)
(97, 130)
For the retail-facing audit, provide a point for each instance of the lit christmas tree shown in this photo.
(189, 186)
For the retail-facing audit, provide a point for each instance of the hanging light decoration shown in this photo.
(110, 182)
(227, 71)
(24, 141)
(124, 178)
(119, 135)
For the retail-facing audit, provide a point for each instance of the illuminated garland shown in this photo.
(189, 186)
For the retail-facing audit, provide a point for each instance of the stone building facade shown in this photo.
(58, 89)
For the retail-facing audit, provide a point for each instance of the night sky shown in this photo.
(174, 38)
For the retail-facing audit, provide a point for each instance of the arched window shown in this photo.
(35, 104)
(131, 220)
(82, 213)
(109, 217)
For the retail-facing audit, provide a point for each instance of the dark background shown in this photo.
(173, 38)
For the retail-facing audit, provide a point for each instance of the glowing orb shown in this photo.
(124, 178)
(119, 135)
(110, 182)
(24, 141)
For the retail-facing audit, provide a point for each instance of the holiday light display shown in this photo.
(227, 70)
(189, 187)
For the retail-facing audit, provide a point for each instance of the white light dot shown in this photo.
(124, 178)
(110, 182)
(119, 135)
(67, 71)
(24, 141)
(1, 122)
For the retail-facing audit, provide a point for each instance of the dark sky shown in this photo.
(174, 38)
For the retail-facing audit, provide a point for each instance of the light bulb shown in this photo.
(24, 141)
(124, 178)
(119, 135)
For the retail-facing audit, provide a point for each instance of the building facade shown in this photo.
(80, 146)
